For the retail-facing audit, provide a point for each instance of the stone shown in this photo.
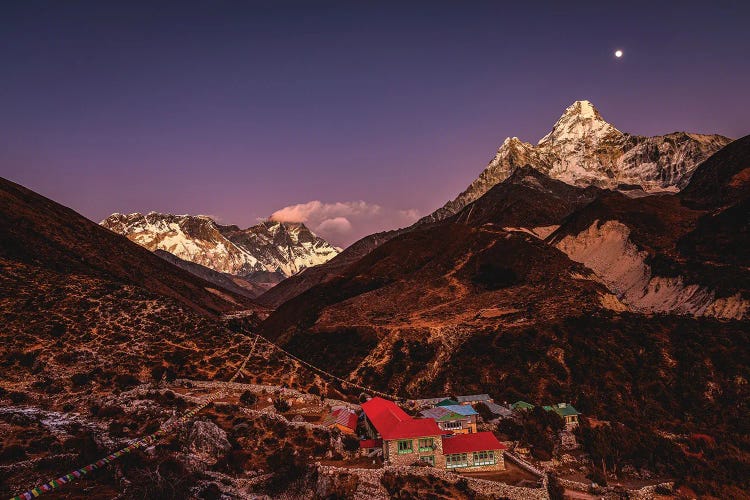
(206, 445)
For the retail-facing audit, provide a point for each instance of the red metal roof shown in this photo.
(466, 443)
(371, 443)
(343, 417)
(393, 423)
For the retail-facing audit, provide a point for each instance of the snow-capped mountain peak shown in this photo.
(584, 149)
(580, 121)
(270, 246)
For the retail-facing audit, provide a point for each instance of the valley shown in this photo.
(594, 339)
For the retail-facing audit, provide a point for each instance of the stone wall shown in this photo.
(369, 485)
(645, 493)
(648, 492)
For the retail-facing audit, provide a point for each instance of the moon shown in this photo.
(618, 53)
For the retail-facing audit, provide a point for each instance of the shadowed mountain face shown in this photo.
(79, 300)
(406, 313)
(436, 286)
(224, 281)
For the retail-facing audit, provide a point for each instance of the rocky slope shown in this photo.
(223, 280)
(269, 247)
(583, 149)
(94, 330)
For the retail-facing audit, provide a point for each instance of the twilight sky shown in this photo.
(352, 116)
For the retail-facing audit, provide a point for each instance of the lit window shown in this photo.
(456, 424)
(404, 447)
(456, 460)
(484, 458)
(426, 444)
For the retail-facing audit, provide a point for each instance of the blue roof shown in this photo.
(464, 410)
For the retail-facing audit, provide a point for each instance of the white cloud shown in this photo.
(317, 210)
(340, 225)
(344, 222)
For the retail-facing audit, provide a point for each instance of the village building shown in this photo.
(500, 411)
(343, 419)
(474, 399)
(458, 419)
(407, 440)
(447, 402)
(567, 412)
(522, 406)
(473, 452)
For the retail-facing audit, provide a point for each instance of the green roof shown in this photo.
(563, 409)
(447, 402)
(522, 405)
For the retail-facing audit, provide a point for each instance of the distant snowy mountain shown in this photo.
(269, 248)
(582, 149)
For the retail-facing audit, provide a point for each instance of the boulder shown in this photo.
(206, 444)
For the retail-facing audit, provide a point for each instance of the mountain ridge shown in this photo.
(268, 247)
(583, 149)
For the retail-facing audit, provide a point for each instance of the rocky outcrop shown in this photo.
(205, 445)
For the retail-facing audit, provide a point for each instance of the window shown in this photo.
(456, 460)
(455, 424)
(430, 459)
(426, 444)
(404, 447)
(484, 458)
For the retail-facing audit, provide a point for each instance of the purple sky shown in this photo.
(377, 111)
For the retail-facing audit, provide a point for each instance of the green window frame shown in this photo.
(405, 447)
(426, 444)
(484, 457)
(430, 459)
(456, 460)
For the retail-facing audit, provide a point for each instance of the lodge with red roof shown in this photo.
(407, 440)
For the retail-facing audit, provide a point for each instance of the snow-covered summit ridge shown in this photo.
(581, 120)
(270, 246)
(584, 149)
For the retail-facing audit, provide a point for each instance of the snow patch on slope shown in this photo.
(607, 250)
